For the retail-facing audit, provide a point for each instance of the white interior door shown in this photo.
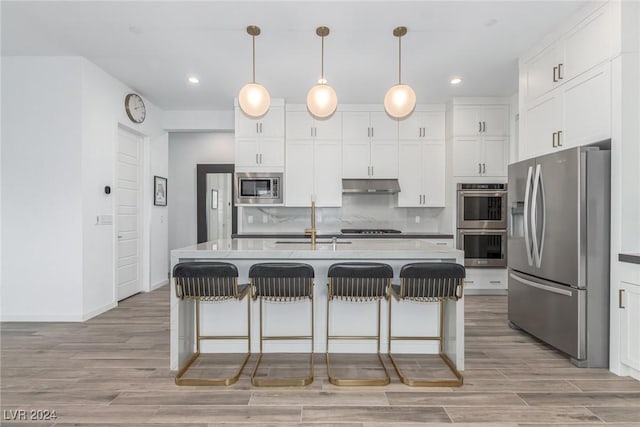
(128, 215)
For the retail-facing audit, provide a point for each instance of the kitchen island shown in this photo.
(229, 318)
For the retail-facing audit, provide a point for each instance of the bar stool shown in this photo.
(210, 282)
(282, 282)
(358, 282)
(428, 282)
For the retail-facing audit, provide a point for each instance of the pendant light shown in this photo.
(400, 100)
(254, 99)
(321, 99)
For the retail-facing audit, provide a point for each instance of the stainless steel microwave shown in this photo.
(258, 188)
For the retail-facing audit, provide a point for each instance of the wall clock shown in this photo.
(135, 107)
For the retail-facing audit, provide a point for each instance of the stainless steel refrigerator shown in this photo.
(558, 251)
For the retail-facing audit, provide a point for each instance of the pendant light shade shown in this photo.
(400, 100)
(253, 98)
(322, 99)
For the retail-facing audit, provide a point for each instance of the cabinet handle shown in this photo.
(555, 71)
(495, 282)
(479, 126)
(479, 168)
(560, 71)
(553, 140)
(372, 172)
(372, 132)
(261, 127)
(257, 159)
(559, 138)
(620, 291)
(484, 126)
(260, 158)
(484, 168)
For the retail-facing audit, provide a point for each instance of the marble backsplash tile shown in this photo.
(357, 211)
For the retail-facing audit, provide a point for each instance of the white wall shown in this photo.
(186, 150)
(42, 188)
(61, 117)
(159, 221)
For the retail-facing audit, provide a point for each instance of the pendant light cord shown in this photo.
(322, 60)
(253, 40)
(399, 60)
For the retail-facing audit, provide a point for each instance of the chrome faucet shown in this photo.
(312, 231)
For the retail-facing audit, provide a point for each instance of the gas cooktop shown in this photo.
(369, 231)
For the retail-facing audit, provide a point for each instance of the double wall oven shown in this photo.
(482, 224)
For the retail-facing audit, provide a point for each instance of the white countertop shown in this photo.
(357, 249)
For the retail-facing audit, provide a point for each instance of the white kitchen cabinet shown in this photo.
(422, 173)
(485, 280)
(480, 156)
(489, 120)
(301, 125)
(313, 170)
(574, 114)
(589, 43)
(259, 143)
(271, 125)
(629, 308)
(370, 145)
(422, 125)
(254, 154)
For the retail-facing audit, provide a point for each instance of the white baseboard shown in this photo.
(99, 310)
(159, 285)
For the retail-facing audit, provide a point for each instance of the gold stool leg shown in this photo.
(180, 380)
(281, 382)
(422, 382)
(358, 381)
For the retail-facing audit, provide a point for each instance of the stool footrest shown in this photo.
(359, 381)
(414, 382)
(281, 382)
(179, 380)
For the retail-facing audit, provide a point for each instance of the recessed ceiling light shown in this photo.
(456, 81)
(194, 80)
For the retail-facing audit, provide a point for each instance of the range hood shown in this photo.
(370, 186)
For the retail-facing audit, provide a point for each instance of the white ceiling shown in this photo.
(154, 46)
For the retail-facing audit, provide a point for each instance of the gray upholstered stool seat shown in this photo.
(282, 282)
(358, 282)
(435, 282)
(210, 281)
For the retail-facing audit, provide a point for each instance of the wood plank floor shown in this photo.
(113, 371)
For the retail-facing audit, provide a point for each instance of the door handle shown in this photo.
(527, 192)
(559, 136)
(555, 71)
(541, 286)
(119, 237)
(620, 291)
(560, 71)
(538, 186)
(553, 140)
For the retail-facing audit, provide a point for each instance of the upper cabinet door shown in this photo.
(495, 120)
(421, 124)
(467, 120)
(384, 159)
(355, 127)
(494, 156)
(586, 112)
(590, 43)
(247, 152)
(298, 187)
(328, 173)
(329, 128)
(272, 124)
(539, 129)
(466, 156)
(410, 157)
(383, 126)
(272, 152)
(355, 160)
(542, 72)
(299, 125)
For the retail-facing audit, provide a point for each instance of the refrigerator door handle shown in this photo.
(541, 286)
(544, 216)
(527, 192)
(534, 217)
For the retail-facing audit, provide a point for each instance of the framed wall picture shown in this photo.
(159, 191)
